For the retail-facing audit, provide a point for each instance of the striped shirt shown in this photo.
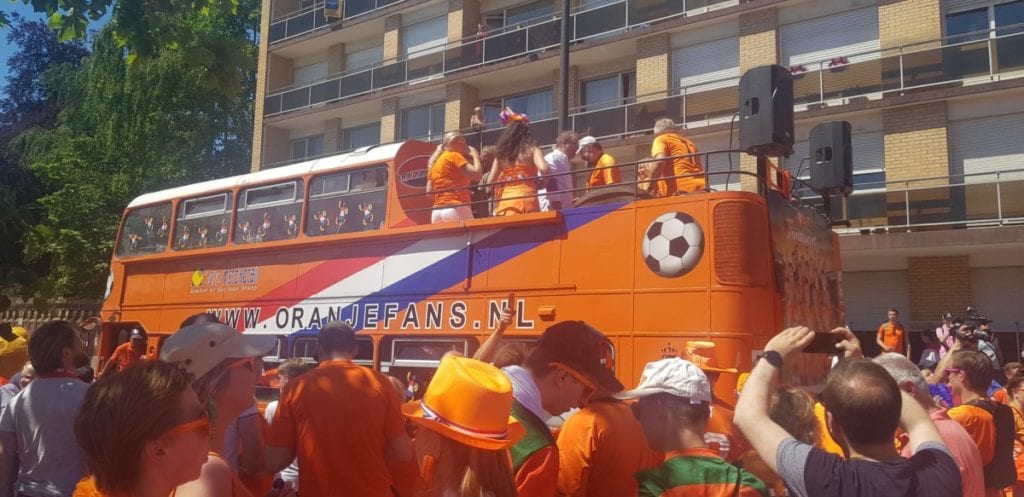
(698, 472)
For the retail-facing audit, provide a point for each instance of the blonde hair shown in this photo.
(449, 136)
(664, 125)
(472, 472)
(212, 383)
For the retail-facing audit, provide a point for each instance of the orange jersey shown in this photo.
(451, 185)
(124, 355)
(1001, 397)
(892, 335)
(602, 177)
(980, 426)
(338, 418)
(600, 448)
(674, 145)
(827, 443)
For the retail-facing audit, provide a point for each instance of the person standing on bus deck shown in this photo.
(127, 353)
(467, 430)
(517, 162)
(603, 165)
(559, 182)
(674, 405)
(563, 371)
(674, 155)
(342, 421)
(449, 178)
(892, 337)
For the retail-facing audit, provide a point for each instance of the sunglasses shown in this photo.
(201, 424)
(589, 388)
(952, 370)
(248, 362)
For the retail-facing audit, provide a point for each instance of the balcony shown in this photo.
(950, 202)
(509, 43)
(313, 18)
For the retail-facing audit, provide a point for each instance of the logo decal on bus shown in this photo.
(224, 280)
(413, 173)
(673, 244)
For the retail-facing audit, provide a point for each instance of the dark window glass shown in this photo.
(269, 213)
(203, 222)
(958, 25)
(145, 230)
(361, 136)
(424, 122)
(1009, 14)
(347, 202)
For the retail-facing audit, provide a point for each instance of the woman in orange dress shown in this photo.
(517, 163)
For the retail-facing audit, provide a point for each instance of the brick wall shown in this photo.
(653, 65)
(937, 285)
(276, 145)
(280, 72)
(261, 85)
(759, 45)
(332, 135)
(336, 58)
(916, 144)
(574, 89)
(388, 120)
(459, 101)
(463, 16)
(908, 21)
(392, 36)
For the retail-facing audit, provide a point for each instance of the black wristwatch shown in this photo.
(772, 357)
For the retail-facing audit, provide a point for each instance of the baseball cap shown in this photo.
(137, 334)
(673, 376)
(201, 347)
(586, 140)
(577, 345)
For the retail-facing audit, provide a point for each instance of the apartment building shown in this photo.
(933, 89)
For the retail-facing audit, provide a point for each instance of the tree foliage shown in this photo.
(145, 28)
(127, 129)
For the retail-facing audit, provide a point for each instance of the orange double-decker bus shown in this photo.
(286, 250)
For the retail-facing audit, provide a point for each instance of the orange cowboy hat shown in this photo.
(702, 354)
(468, 401)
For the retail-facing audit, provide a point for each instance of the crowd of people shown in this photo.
(517, 178)
(186, 422)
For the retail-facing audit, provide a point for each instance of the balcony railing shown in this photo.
(955, 201)
(312, 18)
(509, 43)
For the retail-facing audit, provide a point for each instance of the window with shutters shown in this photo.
(519, 15)
(707, 66)
(979, 148)
(851, 35)
(360, 136)
(310, 146)
(425, 37)
(310, 73)
(536, 105)
(365, 58)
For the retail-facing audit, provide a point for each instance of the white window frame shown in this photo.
(296, 192)
(623, 97)
(432, 134)
(305, 140)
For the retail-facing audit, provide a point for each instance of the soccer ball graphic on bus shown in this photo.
(673, 244)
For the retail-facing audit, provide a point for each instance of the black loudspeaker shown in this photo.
(766, 111)
(831, 159)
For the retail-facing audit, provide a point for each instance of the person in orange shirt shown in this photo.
(1011, 370)
(600, 448)
(467, 430)
(892, 337)
(449, 177)
(604, 171)
(517, 163)
(1015, 387)
(163, 438)
(968, 368)
(674, 155)
(127, 354)
(720, 433)
(341, 420)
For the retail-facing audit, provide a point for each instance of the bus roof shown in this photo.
(360, 156)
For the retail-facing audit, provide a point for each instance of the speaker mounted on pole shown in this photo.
(766, 111)
(831, 160)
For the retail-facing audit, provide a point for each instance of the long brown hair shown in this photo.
(514, 141)
(472, 472)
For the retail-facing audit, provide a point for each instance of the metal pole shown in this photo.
(563, 81)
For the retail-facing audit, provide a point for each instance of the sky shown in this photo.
(18, 7)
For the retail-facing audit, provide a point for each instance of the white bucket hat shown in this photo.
(201, 347)
(673, 376)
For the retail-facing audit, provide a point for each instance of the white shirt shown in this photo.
(525, 390)
(232, 443)
(42, 418)
(559, 188)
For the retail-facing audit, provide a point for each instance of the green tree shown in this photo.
(127, 129)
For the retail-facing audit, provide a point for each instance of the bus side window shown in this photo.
(203, 222)
(145, 230)
(347, 202)
(269, 213)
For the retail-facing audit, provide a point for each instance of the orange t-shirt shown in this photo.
(1001, 397)
(449, 182)
(125, 356)
(602, 177)
(600, 448)
(672, 145)
(827, 443)
(892, 335)
(338, 418)
(979, 425)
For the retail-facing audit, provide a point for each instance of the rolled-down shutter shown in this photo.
(987, 145)
(834, 35)
(707, 66)
(867, 295)
(425, 36)
(996, 292)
